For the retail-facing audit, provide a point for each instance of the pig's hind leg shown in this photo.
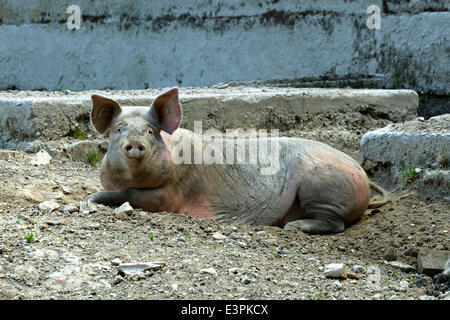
(319, 219)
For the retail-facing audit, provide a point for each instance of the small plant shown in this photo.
(410, 173)
(30, 237)
(215, 245)
(151, 236)
(444, 160)
(13, 133)
(78, 134)
(395, 81)
(94, 157)
(18, 221)
(188, 236)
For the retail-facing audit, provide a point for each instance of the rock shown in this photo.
(400, 265)
(390, 255)
(218, 236)
(447, 268)
(117, 279)
(124, 208)
(116, 262)
(174, 286)
(432, 262)
(425, 297)
(335, 271)
(66, 190)
(68, 209)
(87, 207)
(432, 228)
(211, 271)
(130, 269)
(403, 285)
(358, 269)
(80, 151)
(42, 158)
(48, 206)
(412, 252)
(241, 244)
(352, 275)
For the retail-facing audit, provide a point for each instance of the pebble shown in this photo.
(335, 271)
(218, 236)
(87, 208)
(117, 280)
(211, 271)
(68, 209)
(66, 190)
(116, 262)
(241, 244)
(425, 297)
(131, 269)
(400, 265)
(432, 228)
(390, 255)
(403, 285)
(174, 286)
(48, 206)
(124, 208)
(358, 268)
(42, 158)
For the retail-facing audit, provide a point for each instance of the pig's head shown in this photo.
(137, 155)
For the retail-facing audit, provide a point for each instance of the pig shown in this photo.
(317, 189)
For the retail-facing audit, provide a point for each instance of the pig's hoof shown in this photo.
(315, 226)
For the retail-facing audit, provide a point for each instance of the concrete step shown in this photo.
(52, 115)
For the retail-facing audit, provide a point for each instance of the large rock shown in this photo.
(432, 262)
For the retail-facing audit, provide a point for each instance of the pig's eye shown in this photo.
(150, 131)
(119, 130)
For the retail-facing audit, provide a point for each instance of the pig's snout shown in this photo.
(135, 149)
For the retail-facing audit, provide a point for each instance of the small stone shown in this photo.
(432, 228)
(117, 279)
(425, 297)
(400, 265)
(352, 275)
(335, 271)
(245, 280)
(48, 206)
(66, 190)
(131, 269)
(87, 207)
(411, 252)
(358, 269)
(241, 244)
(377, 296)
(124, 208)
(174, 286)
(211, 271)
(259, 233)
(314, 260)
(341, 248)
(218, 236)
(403, 285)
(390, 255)
(42, 158)
(116, 262)
(68, 209)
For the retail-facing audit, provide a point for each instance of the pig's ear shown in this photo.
(103, 112)
(166, 109)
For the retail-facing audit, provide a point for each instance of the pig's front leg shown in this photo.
(109, 198)
(153, 200)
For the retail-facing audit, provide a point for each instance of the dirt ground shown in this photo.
(64, 254)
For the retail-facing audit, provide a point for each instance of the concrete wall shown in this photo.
(140, 44)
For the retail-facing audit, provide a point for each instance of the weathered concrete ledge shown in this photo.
(419, 143)
(49, 116)
(416, 150)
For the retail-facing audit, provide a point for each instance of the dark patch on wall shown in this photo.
(94, 18)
